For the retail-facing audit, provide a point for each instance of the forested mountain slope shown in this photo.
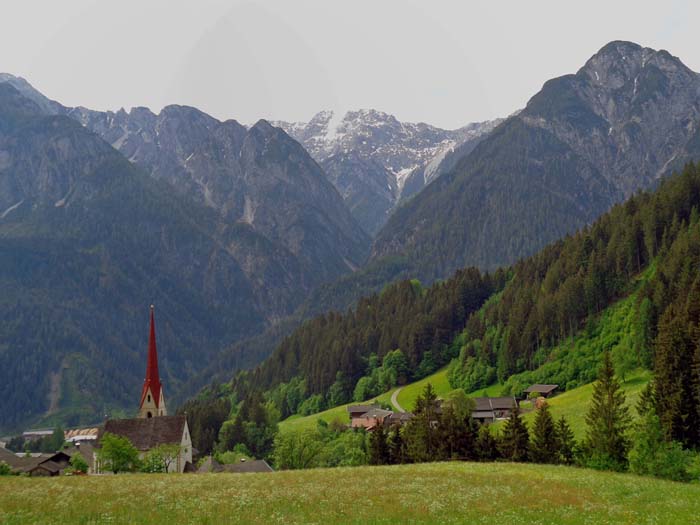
(645, 251)
(87, 242)
(650, 246)
(326, 357)
(245, 224)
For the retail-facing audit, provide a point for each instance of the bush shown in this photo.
(231, 457)
(366, 387)
(78, 463)
(652, 455)
(312, 405)
(118, 454)
(5, 469)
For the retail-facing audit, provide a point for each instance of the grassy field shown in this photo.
(406, 398)
(340, 413)
(408, 394)
(455, 492)
(574, 404)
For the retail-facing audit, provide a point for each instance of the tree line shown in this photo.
(446, 431)
(323, 360)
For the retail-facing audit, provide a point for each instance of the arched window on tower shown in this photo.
(149, 398)
(149, 414)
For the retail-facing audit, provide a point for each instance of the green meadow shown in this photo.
(444, 493)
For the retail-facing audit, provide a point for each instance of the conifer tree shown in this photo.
(396, 446)
(544, 447)
(677, 407)
(515, 440)
(378, 448)
(608, 420)
(421, 434)
(565, 442)
(486, 446)
(696, 377)
(458, 428)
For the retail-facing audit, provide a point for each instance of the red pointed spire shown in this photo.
(152, 380)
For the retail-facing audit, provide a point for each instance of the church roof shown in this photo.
(152, 379)
(147, 433)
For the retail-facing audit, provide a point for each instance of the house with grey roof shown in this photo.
(490, 409)
(36, 465)
(148, 433)
(541, 390)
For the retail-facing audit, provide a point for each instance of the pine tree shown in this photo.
(486, 446)
(396, 446)
(456, 434)
(378, 448)
(544, 447)
(608, 420)
(693, 312)
(565, 442)
(421, 434)
(696, 377)
(676, 407)
(515, 440)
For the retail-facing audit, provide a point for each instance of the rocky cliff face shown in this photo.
(370, 155)
(629, 116)
(259, 180)
(630, 111)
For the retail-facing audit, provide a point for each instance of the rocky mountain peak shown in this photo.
(619, 63)
(13, 102)
(46, 105)
(369, 155)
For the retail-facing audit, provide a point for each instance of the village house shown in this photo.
(398, 418)
(35, 435)
(370, 419)
(355, 411)
(541, 390)
(370, 416)
(36, 464)
(490, 409)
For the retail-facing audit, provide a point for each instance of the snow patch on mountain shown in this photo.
(400, 147)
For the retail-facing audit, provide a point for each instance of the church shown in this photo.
(153, 426)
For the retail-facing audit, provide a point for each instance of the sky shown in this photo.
(447, 63)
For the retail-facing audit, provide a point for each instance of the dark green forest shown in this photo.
(407, 331)
(332, 352)
(562, 289)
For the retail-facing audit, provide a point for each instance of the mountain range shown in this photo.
(225, 228)
(585, 141)
(231, 229)
(375, 161)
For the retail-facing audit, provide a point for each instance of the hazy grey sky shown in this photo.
(442, 62)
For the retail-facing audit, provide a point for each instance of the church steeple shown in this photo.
(152, 400)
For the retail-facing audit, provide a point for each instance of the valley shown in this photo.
(361, 317)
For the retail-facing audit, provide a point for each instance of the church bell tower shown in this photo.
(152, 400)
